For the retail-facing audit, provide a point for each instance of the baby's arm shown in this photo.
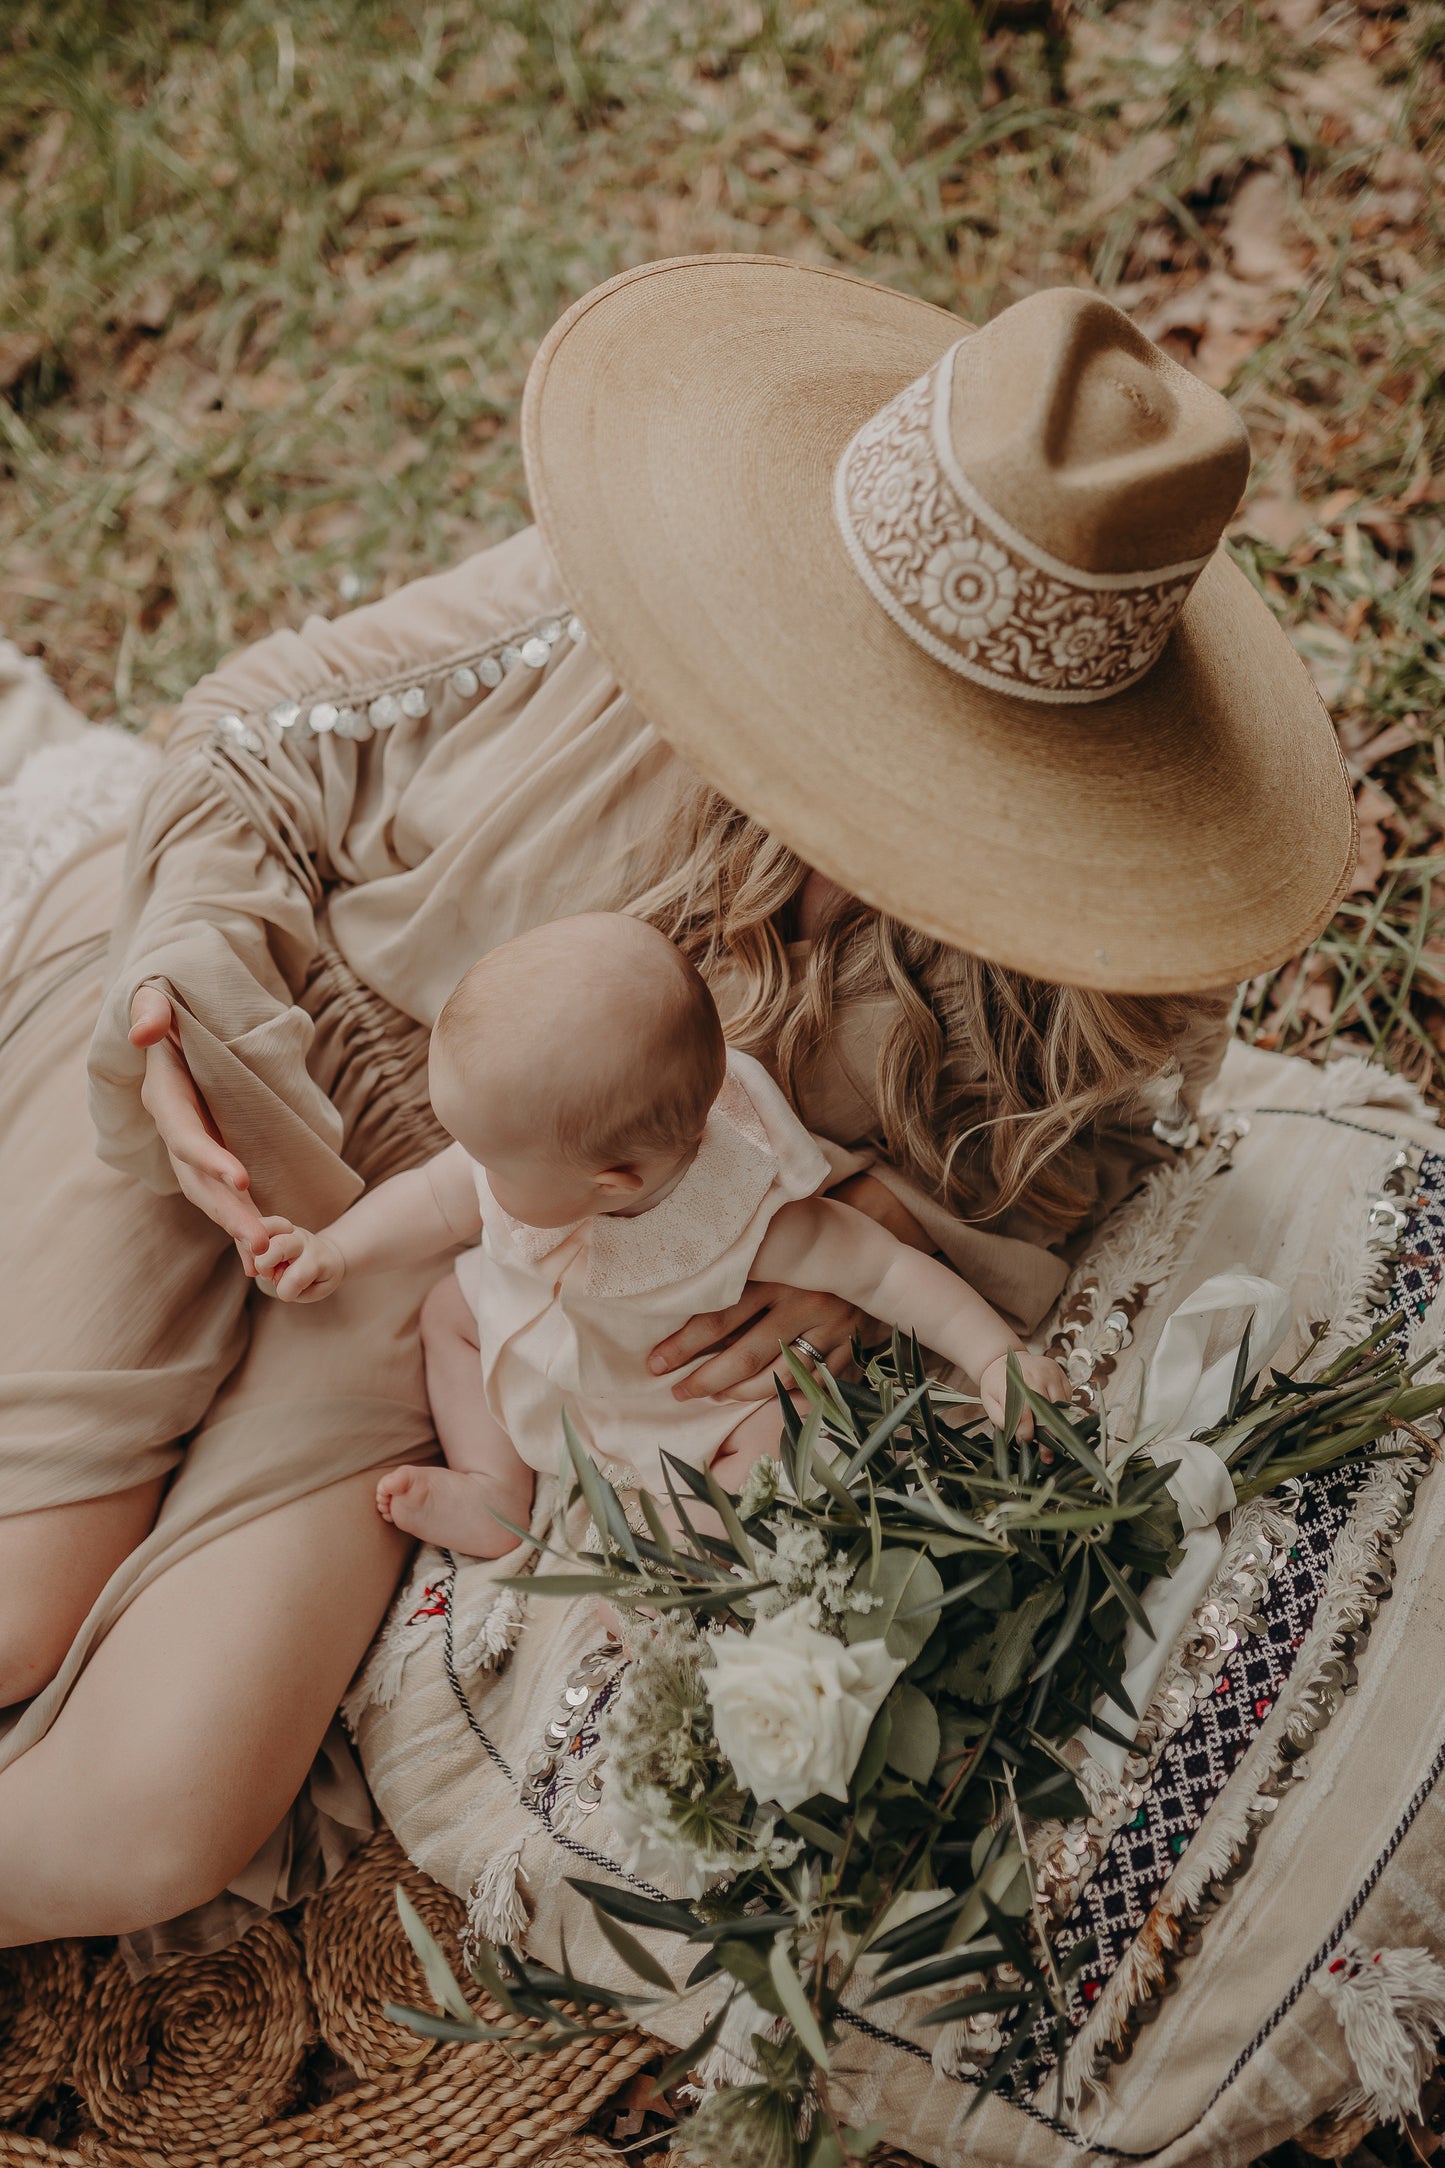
(820, 1243)
(403, 1221)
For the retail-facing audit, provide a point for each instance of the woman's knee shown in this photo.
(32, 1650)
(53, 1565)
(152, 1860)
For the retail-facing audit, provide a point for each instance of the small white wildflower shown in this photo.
(808, 1572)
(760, 1488)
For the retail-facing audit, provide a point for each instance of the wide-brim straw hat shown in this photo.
(945, 610)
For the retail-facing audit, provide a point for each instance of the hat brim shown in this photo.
(681, 427)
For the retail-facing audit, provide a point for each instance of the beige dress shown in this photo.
(307, 904)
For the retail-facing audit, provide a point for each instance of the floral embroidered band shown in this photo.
(968, 587)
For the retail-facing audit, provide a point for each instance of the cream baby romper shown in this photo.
(567, 1316)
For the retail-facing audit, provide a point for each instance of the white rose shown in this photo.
(791, 1706)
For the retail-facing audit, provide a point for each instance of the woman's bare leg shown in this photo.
(190, 1732)
(123, 1310)
(53, 1565)
(457, 1506)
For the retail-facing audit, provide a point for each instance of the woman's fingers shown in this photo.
(709, 1329)
(745, 1368)
(210, 1176)
(217, 1184)
(151, 1017)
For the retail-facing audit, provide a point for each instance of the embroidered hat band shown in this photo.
(968, 587)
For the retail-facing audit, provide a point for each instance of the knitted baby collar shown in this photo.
(688, 1230)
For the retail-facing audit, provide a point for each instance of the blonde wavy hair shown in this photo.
(988, 1082)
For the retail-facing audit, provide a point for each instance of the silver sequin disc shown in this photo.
(465, 681)
(489, 670)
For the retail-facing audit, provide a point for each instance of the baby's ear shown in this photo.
(619, 1181)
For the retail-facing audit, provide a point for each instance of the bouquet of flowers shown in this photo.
(850, 1702)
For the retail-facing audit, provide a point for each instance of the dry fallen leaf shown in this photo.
(1256, 228)
(1376, 813)
(1277, 516)
(1398, 738)
(19, 351)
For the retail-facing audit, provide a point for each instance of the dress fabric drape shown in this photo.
(307, 910)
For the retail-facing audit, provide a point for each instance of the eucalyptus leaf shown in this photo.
(904, 1580)
(873, 1759)
(664, 1914)
(913, 1737)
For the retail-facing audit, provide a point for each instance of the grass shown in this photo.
(272, 277)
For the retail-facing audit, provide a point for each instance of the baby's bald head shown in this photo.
(591, 1038)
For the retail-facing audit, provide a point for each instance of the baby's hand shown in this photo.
(1040, 1373)
(299, 1267)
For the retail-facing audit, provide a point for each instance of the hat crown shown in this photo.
(1035, 509)
(1090, 440)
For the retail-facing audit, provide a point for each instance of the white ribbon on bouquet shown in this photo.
(1181, 1397)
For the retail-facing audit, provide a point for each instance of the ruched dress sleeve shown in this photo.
(256, 824)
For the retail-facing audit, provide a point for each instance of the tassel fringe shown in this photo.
(730, 2061)
(1353, 1080)
(497, 1907)
(1391, 2009)
(1359, 1569)
(481, 1642)
(414, 1616)
(485, 1642)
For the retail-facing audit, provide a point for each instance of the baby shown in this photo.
(625, 1171)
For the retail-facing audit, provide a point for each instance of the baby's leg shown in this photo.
(458, 1506)
(758, 1437)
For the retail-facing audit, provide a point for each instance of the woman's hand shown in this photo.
(211, 1177)
(744, 1341)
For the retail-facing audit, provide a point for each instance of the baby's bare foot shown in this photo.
(445, 1506)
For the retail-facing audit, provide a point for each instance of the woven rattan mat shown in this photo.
(221, 2061)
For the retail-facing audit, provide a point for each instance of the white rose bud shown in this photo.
(791, 1706)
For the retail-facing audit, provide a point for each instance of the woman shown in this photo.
(941, 664)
